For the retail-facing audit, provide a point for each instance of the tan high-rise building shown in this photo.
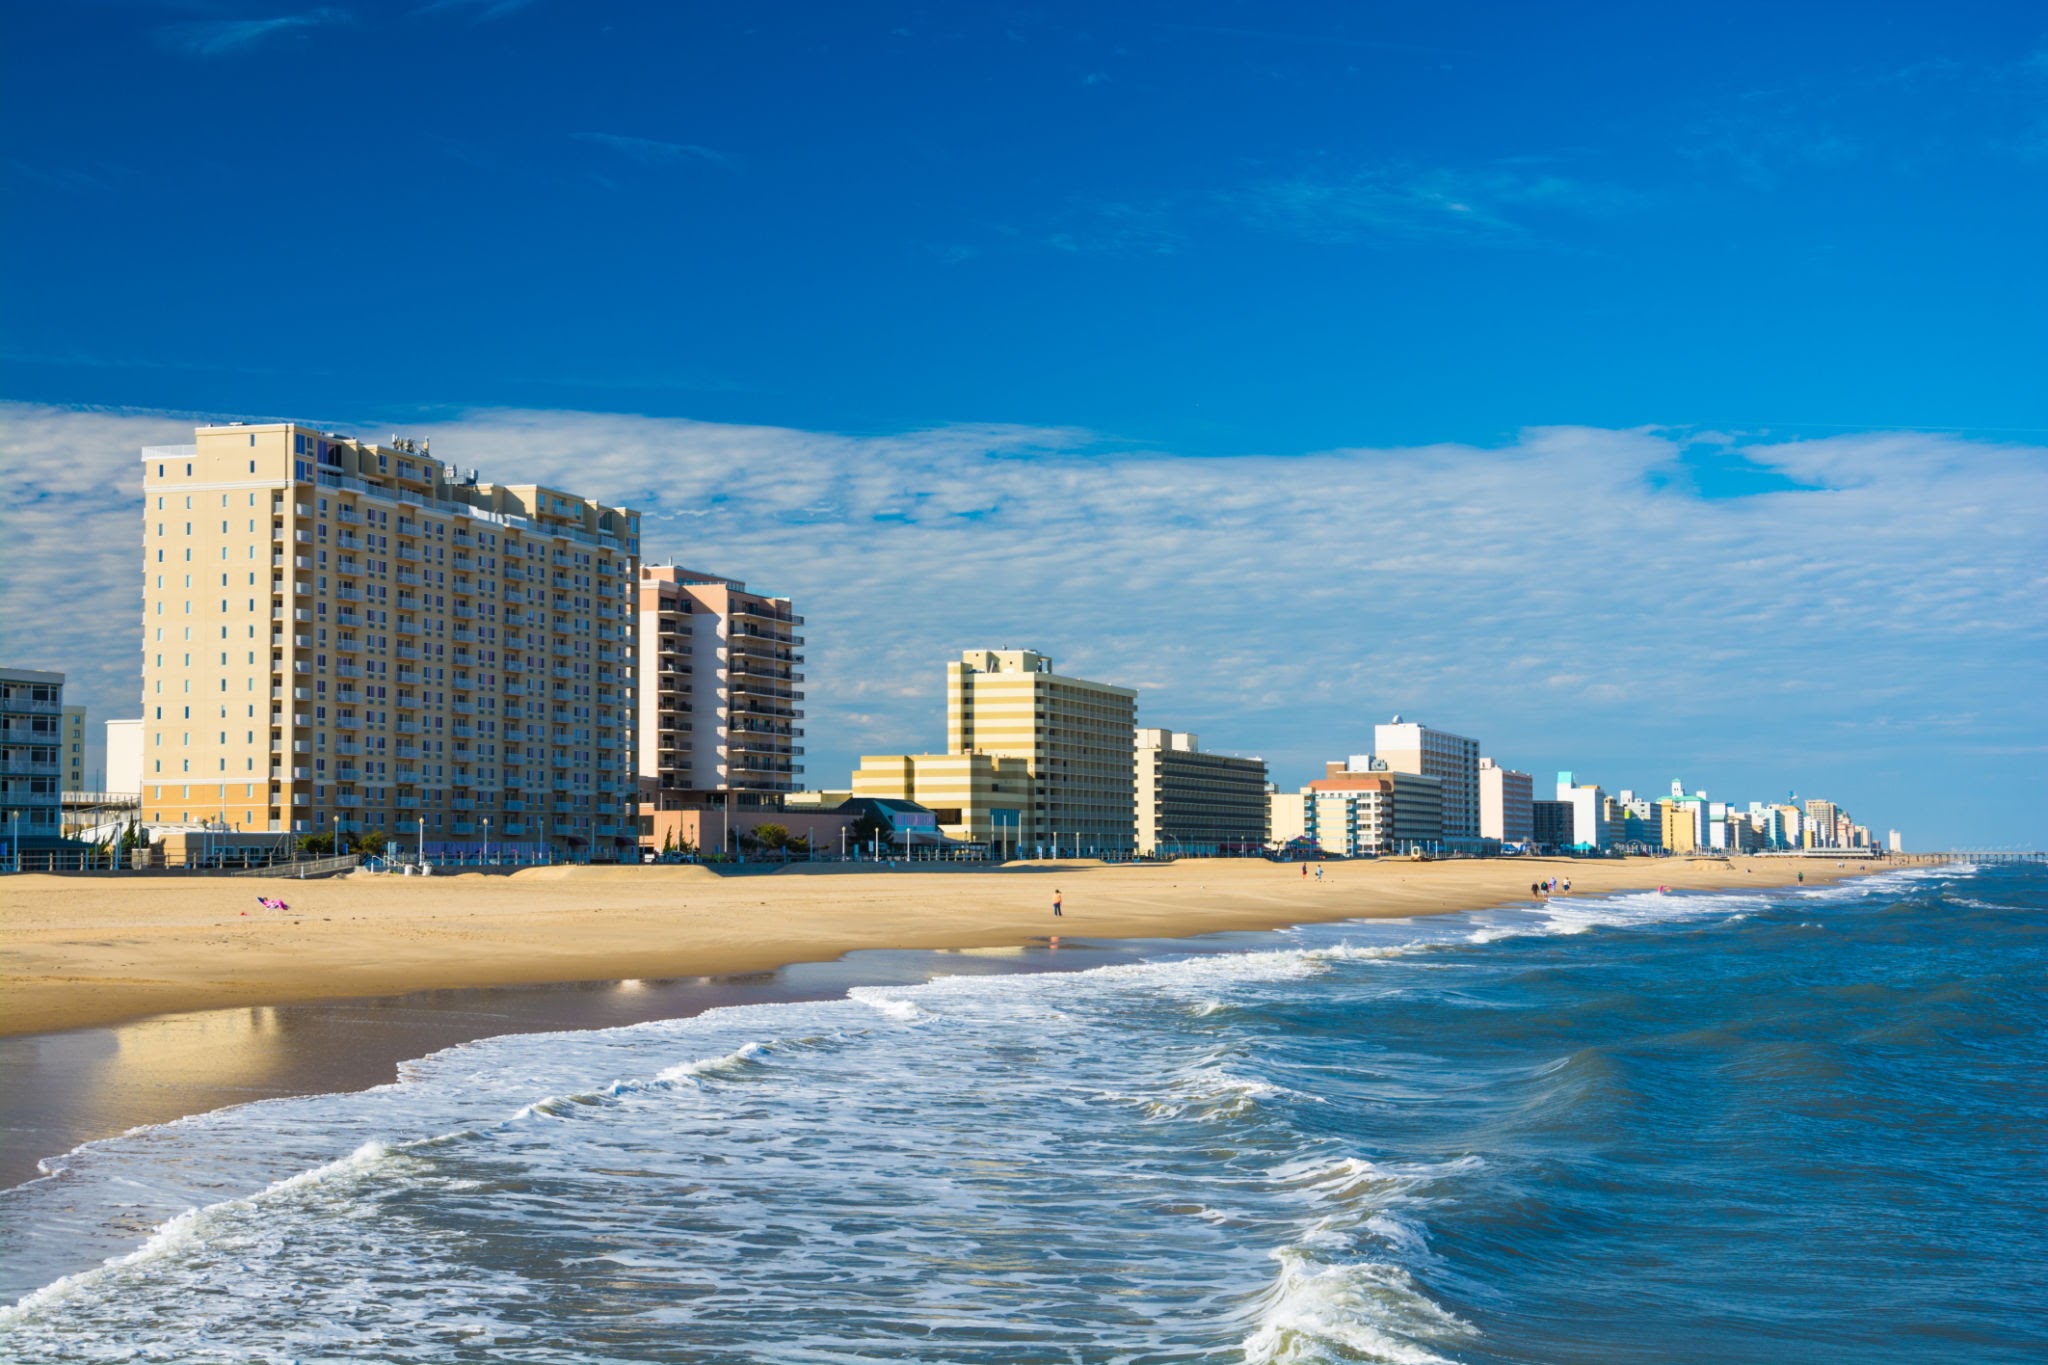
(721, 691)
(1077, 739)
(339, 635)
(1190, 802)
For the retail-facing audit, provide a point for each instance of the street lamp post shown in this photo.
(487, 838)
(422, 851)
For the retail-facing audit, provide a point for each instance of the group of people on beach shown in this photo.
(271, 903)
(1544, 889)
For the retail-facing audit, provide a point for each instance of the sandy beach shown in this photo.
(88, 951)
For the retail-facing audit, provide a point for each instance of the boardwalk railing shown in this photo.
(312, 867)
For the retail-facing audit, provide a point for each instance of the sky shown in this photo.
(1651, 391)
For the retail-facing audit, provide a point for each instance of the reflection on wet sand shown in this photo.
(60, 1089)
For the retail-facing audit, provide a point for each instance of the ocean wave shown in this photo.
(1371, 1310)
(1210, 1094)
(189, 1229)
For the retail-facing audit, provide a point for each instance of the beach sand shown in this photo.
(85, 951)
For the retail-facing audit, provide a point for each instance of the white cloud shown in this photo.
(1559, 597)
(654, 152)
(225, 37)
(1399, 203)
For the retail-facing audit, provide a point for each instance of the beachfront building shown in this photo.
(73, 757)
(1504, 797)
(124, 756)
(1358, 809)
(1076, 739)
(1191, 802)
(1453, 760)
(1642, 828)
(1683, 824)
(31, 757)
(721, 713)
(1550, 824)
(341, 637)
(1825, 825)
(1589, 814)
(976, 798)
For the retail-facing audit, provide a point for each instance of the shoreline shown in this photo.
(74, 958)
(92, 1081)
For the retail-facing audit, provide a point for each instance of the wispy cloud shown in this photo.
(1400, 203)
(1562, 596)
(653, 152)
(480, 11)
(226, 37)
(1116, 229)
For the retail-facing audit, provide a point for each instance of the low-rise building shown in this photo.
(979, 798)
(1377, 811)
(1191, 802)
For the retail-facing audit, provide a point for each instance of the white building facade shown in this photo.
(1453, 760)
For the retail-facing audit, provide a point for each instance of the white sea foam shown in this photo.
(1372, 1310)
(713, 1066)
(886, 1002)
(1210, 1093)
(187, 1230)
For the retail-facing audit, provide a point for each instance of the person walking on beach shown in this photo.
(1056, 903)
(1567, 883)
(1319, 871)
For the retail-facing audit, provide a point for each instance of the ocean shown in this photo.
(1764, 1127)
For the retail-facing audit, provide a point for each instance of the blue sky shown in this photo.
(1294, 314)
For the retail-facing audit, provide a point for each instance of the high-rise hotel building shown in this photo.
(721, 692)
(1076, 738)
(342, 636)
